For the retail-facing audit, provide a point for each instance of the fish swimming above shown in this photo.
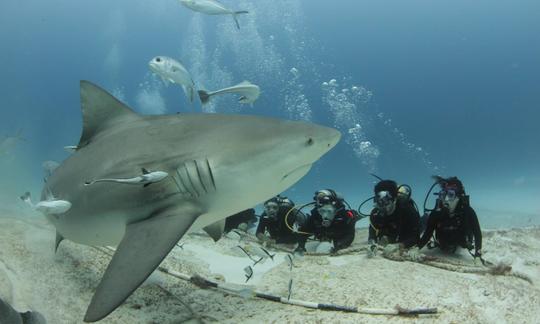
(146, 179)
(248, 92)
(212, 7)
(170, 70)
(210, 162)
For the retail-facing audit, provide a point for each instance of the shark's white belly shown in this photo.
(97, 229)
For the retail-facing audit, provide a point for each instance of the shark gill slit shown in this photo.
(199, 175)
(191, 180)
(182, 182)
(177, 184)
(211, 174)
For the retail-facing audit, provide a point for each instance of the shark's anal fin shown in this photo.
(144, 246)
(215, 230)
(59, 239)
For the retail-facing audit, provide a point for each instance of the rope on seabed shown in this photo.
(249, 291)
(500, 269)
(449, 265)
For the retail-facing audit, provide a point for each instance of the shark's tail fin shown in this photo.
(234, 14)
(204, 96)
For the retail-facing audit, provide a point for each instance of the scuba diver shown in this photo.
(330, 221)
(242, 220)
(453, 220)
(272, 226)
(394, 221)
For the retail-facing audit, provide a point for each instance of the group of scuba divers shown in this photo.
(394, 222)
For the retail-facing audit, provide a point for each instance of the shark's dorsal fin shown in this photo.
(100, 110)
(144, 171)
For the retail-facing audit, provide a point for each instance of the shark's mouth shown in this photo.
(297, 173)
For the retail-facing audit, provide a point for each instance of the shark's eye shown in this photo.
(309, 141)
(158, 59)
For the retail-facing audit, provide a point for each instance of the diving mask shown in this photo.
(271, 209)
(384, 202)
(327, 212)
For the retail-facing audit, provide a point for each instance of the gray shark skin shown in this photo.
(8, 315)
(218, 165)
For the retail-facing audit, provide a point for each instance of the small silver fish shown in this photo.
(173, 71)
(248, 272)
(212, 7)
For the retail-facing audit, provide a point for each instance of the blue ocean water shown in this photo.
(416, 87)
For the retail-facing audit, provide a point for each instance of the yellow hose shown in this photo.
(287, 221)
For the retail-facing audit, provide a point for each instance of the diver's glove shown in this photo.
(242, 227)
(478, 254)
(372, 249)
(261, 237)
(300, 250)
(270, 242)
(414, 254)
(391, 248)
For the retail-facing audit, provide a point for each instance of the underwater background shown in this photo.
(417, 88)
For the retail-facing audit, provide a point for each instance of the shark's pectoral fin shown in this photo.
(215, 230)
(144, 246)
(59, 239)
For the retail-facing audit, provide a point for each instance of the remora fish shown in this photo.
(212, 7)
(173, 71)
(51, 206)
(146, 179)
(248, 92)
(210, 160)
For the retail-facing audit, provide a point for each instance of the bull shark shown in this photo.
(217, 165)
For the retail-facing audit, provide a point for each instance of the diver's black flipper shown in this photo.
(204, 96)
(144, 246)
(59, 239)
(215, 230)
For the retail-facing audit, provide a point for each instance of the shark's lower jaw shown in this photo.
(297, 173)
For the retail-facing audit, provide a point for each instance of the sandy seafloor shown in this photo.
(60, 286)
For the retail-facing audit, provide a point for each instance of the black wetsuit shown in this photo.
(277, 228)
(450, 232)
(340, 232)
(247, 216)
(402, 226)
